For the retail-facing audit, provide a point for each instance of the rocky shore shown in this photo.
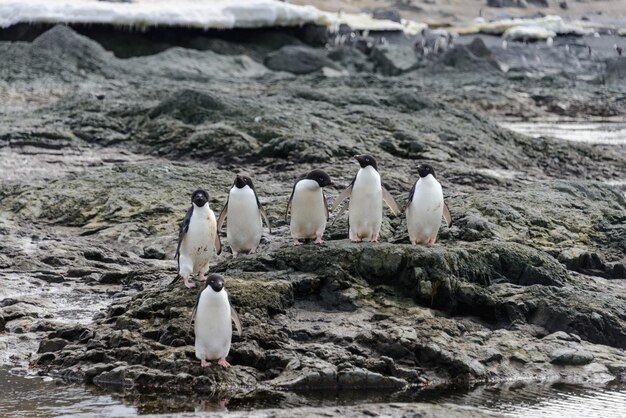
(101, 153)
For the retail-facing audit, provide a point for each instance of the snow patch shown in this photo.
(539, 28)
(217, 14)
(202, 14)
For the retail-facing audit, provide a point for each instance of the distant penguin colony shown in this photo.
(199, 240)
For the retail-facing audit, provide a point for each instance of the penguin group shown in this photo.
(199, 240)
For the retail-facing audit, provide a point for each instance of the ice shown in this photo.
(211, 14)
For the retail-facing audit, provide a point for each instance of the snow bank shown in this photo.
(204, 14)
(528, 32)
(211, 14)
(364, 21)
(539, 27)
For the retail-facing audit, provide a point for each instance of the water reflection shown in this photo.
(27, 396)
(601, 132)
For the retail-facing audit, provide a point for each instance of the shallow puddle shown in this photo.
(601, 132)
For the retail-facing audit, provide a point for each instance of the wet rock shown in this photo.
(507, 3)
(19, 310)
(618, 369)
(571, 357)
(582, 261)
(46, 359)
(615, 70)
(51, 345)
(49, 277)
(74, 333)
(462, 58)
(363, 378)
(154, 252)
(352, 59)
(2, 322)
(393, 59)
(403, 144)
(192, 106)
(386, 409)
(298, 60)
(113, 277)
(303, 148)
(53, 261)
(61, 53)
(539, 3)
(478, 48)
(386, 14)
(220, 139)
(315, 35)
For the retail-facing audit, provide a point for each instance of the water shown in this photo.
(28, 396)
(600, 132)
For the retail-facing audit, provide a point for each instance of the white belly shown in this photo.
(423, 216)
(365, 211)
(308, 216)
(198, 246)
(213, 327)
(243, 225)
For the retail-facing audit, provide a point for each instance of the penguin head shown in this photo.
(243, 181)
(216, 282)
(320, 177)
(425, 169)
(199, 198)
(366, 160)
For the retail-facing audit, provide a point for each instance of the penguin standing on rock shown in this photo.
(244, 211)
(198, 240)
(213, 315)
(365, 209)
(309, 208)
(425, 208)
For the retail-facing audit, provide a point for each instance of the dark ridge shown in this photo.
(126, 42)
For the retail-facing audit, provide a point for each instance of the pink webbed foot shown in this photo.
(222, 362)
(205, 363)
(319, 240)
(252, 251)
(202, 277)
(235, 253)
(296, 242)
(413, 242)
(188, 284)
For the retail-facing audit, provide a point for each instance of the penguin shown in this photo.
(309, 208)
(198, 240)
(213, 329)
(425, 208)
(365, 209)
(244, 211)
